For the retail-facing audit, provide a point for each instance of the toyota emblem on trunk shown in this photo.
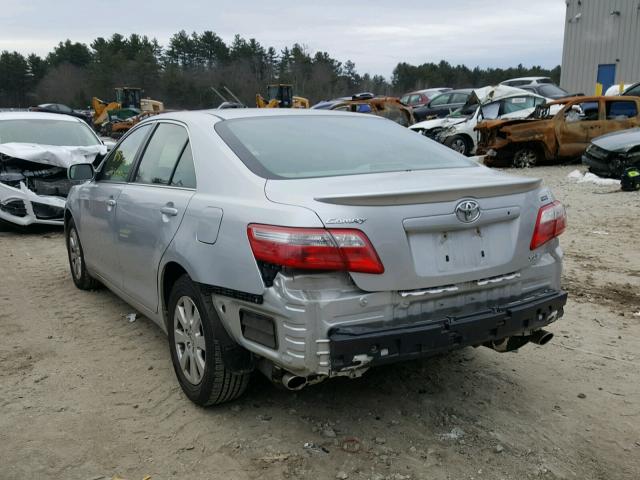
(467, 211)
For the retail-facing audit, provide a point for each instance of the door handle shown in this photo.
(170, 211)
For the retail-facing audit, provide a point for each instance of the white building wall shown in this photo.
(595, 35)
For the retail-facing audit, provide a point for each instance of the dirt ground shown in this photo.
(84, 394)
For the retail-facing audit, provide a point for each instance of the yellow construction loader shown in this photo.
(281, 96)
(115, 118)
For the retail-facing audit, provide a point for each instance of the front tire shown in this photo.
(458, 143)
(195, 352)
(78, 267)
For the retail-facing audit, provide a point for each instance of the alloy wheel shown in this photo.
(188, 338)
(459, 145)
(75, 254)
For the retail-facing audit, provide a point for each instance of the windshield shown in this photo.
(47, 132)
(323, 146)
(464, 111)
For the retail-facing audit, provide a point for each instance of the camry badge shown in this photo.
(467, 211)
(340, 221)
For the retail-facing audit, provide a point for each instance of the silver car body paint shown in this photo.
(432, 260)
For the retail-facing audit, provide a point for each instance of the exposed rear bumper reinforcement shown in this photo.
(375, 343)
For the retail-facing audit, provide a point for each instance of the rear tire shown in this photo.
(458, 143)
(526, 157)
(78, 267)
(195, 352)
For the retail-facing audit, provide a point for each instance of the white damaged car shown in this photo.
(457, 130)
(36, 149)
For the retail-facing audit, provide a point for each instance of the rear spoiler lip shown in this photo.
(446, 194)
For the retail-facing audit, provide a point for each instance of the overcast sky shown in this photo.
(375, 34)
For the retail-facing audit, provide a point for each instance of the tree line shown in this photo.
(182, 73)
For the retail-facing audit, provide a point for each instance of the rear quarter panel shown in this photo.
(228, 197)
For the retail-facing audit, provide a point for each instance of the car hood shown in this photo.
(622, 141)
(438, 122)
(54, 155)
(489, 94)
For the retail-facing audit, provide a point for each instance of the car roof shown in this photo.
(38, 116)
(458, 90)
(233, 113)
(434, 89)
(526, 78)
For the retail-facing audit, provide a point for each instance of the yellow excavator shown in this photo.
(280, 95)
(115, 118)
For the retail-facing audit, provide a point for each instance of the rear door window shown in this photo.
(440, 100)
(621, 110)
(185, 174)
(161, 155)
(415, 99)
(118, 164)
(459, 98)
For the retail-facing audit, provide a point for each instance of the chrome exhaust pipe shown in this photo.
(293, 382)
(541, 337)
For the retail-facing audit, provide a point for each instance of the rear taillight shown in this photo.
(551, 222)
(314, 248)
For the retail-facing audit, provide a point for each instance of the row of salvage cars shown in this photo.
(509, 125)
(514, 127)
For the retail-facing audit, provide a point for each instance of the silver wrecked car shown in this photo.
(312, 244)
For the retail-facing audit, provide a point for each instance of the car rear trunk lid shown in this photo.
(410, 219)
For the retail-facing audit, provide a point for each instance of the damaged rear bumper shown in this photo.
(372, 344)
(22, 207)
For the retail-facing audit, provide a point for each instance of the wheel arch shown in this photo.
(67, 218)
(171, 272)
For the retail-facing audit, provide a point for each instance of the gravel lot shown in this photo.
(85, 394)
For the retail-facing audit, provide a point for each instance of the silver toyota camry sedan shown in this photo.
(310, 244)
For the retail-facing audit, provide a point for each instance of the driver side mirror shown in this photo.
(80, 172)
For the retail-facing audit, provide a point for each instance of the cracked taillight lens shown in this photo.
(314, 248)
(551, 222)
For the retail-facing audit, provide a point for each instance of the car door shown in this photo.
(151, 207)
(440, 102)
(98, 205)
(577, 123)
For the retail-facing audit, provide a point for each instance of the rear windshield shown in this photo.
(553, 91)
(47, 132)
(324, 146)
